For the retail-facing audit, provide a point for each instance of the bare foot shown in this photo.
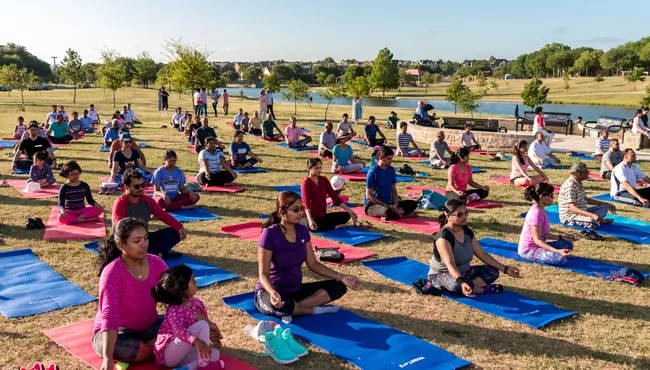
(193, 206)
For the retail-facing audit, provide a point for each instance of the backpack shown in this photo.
(406, 170)
(432, 200)
(328, 254)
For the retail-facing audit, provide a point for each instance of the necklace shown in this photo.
(138, 276)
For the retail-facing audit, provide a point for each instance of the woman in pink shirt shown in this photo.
(520, 164)
(127, 321)
(459, 176)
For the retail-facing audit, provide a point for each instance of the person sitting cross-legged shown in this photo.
(467, 137)
(126, 157)
(40, 171)
(169, 183)
(370, 131)
(454, 248)
(30, 146)
(343, 160)
(255, 124)
(611, 159)
(72, 209)
(539, 152)
(327, 141)
(624, 178)
(437, 152)
(118, 145)
(178, 119)
(381, 198)
(204, 132)
(239, 152)
(520, 163)
(292, 134)
(214, 168)
(602, 144)
(459, 177)
(404, 139)
(112, 134)
(60, 132)
(268, 127)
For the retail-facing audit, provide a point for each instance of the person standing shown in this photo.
(224, 101)
(214, 95)
(639, 128)
(160, 99)
(204, 102)
(269, 102)
(357, 109)
(197, 103)
(263, 103)
(165, 101)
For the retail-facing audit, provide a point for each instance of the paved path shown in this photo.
(562, 143)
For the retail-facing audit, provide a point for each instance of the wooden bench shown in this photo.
(612, 124)
(478, 124)
(550, 119)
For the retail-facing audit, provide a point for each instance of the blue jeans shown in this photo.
(163, 240)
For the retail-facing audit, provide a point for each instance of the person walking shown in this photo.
(215, 100)
(269, 102)
(165, 101)
(224, 101)
(263, 103)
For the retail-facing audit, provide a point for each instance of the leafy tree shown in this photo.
(296, 71)
(91, 71)
(18, 55)
(385, 72)
(559, 62)
(111, 72)
(164, 77)
(71, 70)
(189, 67)
(320, 77)
(361, 86)
(499, 72)
(252, 73)
(330, 79)
(482, 83)
(230, 75)
(426, 80)
(466, 71)
(283, 71)
(272, 82)
(644, 54)
(467, 100)
(449, 68)
(635, 76)
(145, 69)
(619, 58)
(298, 91)
(437, 77)
(534, 93)
(494, 84)
(599, 78)
(588, 60)
(17, 79)
(328, 60)
(128, 65)
(454, 93)
(646, 99)
(405, 79)
(352, 72)
(333, 91)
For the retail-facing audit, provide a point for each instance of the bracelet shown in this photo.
(505, 270)
(460, 280)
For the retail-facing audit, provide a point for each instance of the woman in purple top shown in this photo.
(127, 322)
(283, 247)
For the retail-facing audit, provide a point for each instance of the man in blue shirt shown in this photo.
(87, 122)
(370, 132)
(381, 198)
(424, 116)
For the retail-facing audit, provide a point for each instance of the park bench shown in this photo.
(478, 124)
(550, 119)
(614, 125)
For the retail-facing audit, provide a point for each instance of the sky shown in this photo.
(311, 30)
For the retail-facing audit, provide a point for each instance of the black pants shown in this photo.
(163, 240)
(214, 106)
(26, 164)
(625, 197)
(472, 147)
(255, 131)
(197, 107)
(376, 210)
(375, 142)
(61, 140)
(325, 153)
(606, 175)
(216, 179)
(128, 341)
(165, 104)
(331, 221)
(269, 109)
(333, 288)
(481, 193)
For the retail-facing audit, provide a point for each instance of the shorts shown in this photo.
(128, 341)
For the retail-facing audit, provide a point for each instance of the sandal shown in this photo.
(170, 255)
(591, 235)
(362, 224)
(493, 289)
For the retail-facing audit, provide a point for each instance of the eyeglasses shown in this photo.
(127, 142)
(137, 186)
(297, 209)
(461, 214)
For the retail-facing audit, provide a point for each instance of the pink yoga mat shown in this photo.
(359, 176)
(10, 138)
(415, 158)
(413, 223)
(48, 192)
(75, 338)
(314, 153)
(85, 230)
(479, 152)
(344, 198)
(475, 205)
(217, 189)
(506, 180)
(192, 149)
(148, 187)
(252, 231)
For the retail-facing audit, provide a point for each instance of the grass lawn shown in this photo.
(583, 90)
(612, 330)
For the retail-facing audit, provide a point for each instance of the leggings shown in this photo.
(238, 165)
(333, 288)
(163, 240)
(181, 200)
(61, 140)
(214, 107)
(627, 198)
(541, 255)
(73, 214)
(376, 210)
(330, 221)
(128, 341)
(178, 352)
(480, 192)
(216, 179)
(444, 280)
(375, 142)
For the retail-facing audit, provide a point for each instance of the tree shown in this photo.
(91, 72)
(588, 60)
(71, 70)
(333, 91)
(252, 73)
(566, 79)
(646, 99)
(599, 78)
(426, 80)
(622, 57)
(230, 75)
(467, 100)
(145, 69)
(320, 77)
(385, 74)
(635, 76)
(111, 72)
(298, 91)
(494, 84)
(449, 68)
(18, 55)
(330, 79)
(164, 77)
(272, 82)
(127, 64)
(328, 60)
(360, 86)
(17, 79)
(283, 71)
(454, 93)
(534, 93)
(189, 66)
(437, 77)
(559, 62)
(482, 83)
(499, 72)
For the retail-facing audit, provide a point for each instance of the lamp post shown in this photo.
(55, 77)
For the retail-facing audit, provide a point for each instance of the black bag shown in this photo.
(328, 254)
(406, 170)
(423, 286)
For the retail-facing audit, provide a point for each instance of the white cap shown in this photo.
(32, 187)
(337, 182)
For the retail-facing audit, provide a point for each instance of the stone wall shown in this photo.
(496, 141)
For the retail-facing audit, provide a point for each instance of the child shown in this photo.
(40, 171)
(20, 129)
(186, 325)
(375, 156)
(392, 121)
(71, 198)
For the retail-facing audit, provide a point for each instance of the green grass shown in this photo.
(612, 331)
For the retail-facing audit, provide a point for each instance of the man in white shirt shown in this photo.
(467, 137)
(236, 124)
(197, 102)
(624, 179)
(178, 119)
(125, 113)
(64, 114)
(93, 114)
(131, 113)
(214, 95)
(51, 117)
(269, 103)
(540, 154)
(204, 102)
(639, 128)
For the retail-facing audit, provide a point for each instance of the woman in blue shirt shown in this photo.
(343, 158)
(239, 152)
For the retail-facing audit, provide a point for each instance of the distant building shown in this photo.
(508, 76)
(498, 63)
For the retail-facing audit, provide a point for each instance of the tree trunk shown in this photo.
(426, 88)
(22, 98)
(113, 98)
(295, 105)
(326, 108)
(74, 96)
(586, 71)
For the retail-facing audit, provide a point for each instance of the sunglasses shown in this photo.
(137, 186)
(126, 141)
(297, 209)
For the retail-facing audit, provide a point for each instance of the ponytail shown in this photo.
(517, 151)
(172, 285)
(534, 193)
(284, 201)
(274, 218)
(448, 208)
(454, 159)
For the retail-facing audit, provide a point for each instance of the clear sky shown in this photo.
(315, 29)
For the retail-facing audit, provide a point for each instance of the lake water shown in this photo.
(587, 112)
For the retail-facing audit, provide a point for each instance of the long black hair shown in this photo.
(448, 208)
(108, 250)
(533, 193)
(460, 153)
(284, 201)
(172, 285)
(313, 162)
(517, 151)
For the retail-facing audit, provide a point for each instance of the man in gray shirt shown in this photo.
(611, 158)
(327, 141)
(438, 150)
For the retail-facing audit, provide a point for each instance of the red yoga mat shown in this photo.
(148, 187)
(415, 158)
(506, 180)
(192, 149)
(252, 231)
(475, 205)
(358, 176)
(217, 189)
(314, 153)
(10, 138)
(479, 152)
(84, 230)
(75, 338)
(229, 123)
(418, 224)
(48, 192)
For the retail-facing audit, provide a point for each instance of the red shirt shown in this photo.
(314, 196)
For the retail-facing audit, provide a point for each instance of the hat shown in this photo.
(337, 182)
(376, 148)
(32, 187)
(343, 137)
(125, 136)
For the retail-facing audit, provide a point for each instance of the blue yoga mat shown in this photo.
(204, 273)
(364, 343)
(623, 227)
(6, 144)
(284, 145)
(578, 265)
(192, 215)
(553, 167)
(20, 172)
(318, 124)
(351, 235)
(584, 157)
(29, 286)
(104, 149)
(251, 170)
(507, 304)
